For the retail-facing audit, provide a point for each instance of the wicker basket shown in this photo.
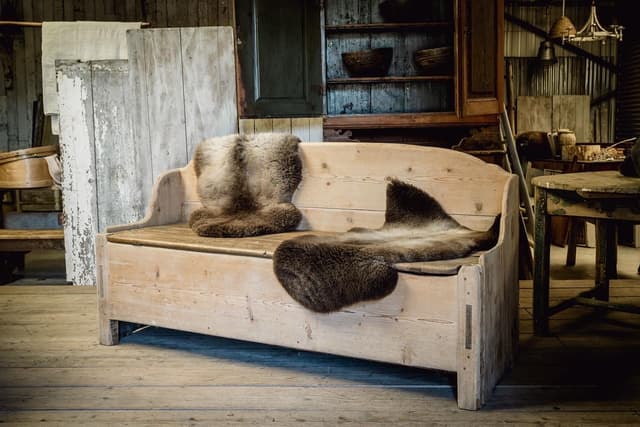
(434, 61)
(368, 63)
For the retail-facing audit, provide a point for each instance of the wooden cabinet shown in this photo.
(468, 92)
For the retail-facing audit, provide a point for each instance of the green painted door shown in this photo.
(279, 48)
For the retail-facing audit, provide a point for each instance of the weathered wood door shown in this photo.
(124, 123)
(279, 48)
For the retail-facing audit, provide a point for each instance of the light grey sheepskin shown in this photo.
(245, 184)
(327, 273)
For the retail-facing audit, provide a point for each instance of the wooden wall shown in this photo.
(20, 46)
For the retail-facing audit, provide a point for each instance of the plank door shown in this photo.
(183, 90)
(279, 49)
(104, 172)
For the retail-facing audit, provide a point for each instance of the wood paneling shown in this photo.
(308, 129)
(534, 114)
(194, 69)
(78, 160)
(549, 113)
(104, 177)
(24, 57)
(120, 133)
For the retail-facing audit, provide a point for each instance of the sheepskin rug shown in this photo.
(327, 273)
(245, 183)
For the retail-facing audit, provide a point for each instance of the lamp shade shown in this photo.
(546, 53)
(562, 27)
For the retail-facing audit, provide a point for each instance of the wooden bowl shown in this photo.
(435, 60)
(404, 10)
(368, 63)
(26, 168)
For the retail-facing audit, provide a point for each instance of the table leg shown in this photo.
(606, 257)
(571, 242)
(541, 265)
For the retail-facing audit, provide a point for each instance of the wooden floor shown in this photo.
(53, 370)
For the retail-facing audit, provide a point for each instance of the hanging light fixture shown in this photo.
(546, 52)
(591, 31)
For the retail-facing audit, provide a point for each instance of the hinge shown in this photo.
(467, 327)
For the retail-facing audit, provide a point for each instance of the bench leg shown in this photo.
(109, 331)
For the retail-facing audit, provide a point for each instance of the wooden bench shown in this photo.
(464, 320)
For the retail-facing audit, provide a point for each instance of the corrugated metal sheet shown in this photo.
(520, 43)
(628, 96)
(571, 75)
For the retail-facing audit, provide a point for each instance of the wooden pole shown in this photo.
(21, 23)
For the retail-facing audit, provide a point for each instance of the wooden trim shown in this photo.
(21, 23)
(469, 344)
(408, 120)
(107, 328)
(395, 79)
(488, 105)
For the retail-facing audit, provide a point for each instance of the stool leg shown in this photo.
(606, 257)
(541, 265)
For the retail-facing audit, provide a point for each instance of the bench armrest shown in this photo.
(166, 203)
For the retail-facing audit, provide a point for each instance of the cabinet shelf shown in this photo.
(384, 27)
(404, 79)
(406, 120)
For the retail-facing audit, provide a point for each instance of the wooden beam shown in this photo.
(567, 46)
(21, 23)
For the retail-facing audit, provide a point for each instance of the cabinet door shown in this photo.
(280, 56)
(482, 41)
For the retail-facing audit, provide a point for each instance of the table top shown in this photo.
(602, 182)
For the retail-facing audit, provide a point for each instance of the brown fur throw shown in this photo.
(631, 164)
(245, 183)
(327, 273)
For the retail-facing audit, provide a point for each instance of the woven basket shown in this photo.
(563, 25)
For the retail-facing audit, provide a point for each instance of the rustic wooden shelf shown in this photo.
(406, 120)
(382, 27)
(399, 79)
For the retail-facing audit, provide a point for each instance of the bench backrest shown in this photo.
(344, 184)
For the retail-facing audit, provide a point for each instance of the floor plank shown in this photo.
(53, 370)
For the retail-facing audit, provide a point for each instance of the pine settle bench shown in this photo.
(158, 272)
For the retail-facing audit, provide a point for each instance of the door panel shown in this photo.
(280, 57)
